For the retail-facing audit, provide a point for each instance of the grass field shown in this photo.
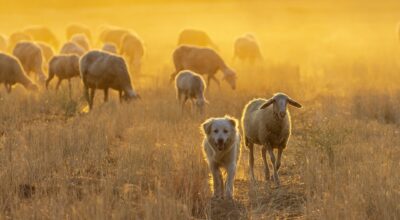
(143, 159)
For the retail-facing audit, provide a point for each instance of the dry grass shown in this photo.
(143, 160)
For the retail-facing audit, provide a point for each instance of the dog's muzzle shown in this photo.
(220, 144)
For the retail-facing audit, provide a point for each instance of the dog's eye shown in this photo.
(216, 131)
(225, 131)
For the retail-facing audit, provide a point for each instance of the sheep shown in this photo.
(204, 61)
(246, 48)
(64, 67)
(190, 85)
(73, 29)
(47, 51)
(3, 43)
(15, 38)
(132, 48)
(267, 123)
(195, 37)
(110, 47)
(30, 56)
(81, 40)
(103, 70)
(113, 35)
(42, 33)
(11, 73)
(72, 48)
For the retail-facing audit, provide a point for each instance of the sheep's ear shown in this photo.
(207, 126)
(294, 103)
(268, 103)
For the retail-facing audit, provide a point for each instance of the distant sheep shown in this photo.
(31, 58)
(113, 35)
(204, 61)
(43, 34)
(72, 48)
(267, 123)
(246, 48)
(132, 48)
(103, 70)
(190, 85)
(110, 47)
(195, 37)
(64, 67)
(81, 40)
(47, 51)
(73, 29)
(3, 43)
(12, 73)
(15, 38)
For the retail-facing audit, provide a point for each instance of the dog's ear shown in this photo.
(233, 121)
(207, 126)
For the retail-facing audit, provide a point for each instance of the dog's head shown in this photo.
(220, 132)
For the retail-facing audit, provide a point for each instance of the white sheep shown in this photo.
(72, 48)
(43, 34)
(246, 48)
(204, 61)
(81, 40)
(190, 85)
(195, 37)
(131, 47)
(64, 67)
(113, 35)
(11, 73)
(73, 29)
(110, 47)
(103, 70)
(15, 38)
(3, 43)
(267, 123)
(31, 58)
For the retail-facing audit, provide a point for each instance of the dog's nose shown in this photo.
(282, 114)
(220, 141)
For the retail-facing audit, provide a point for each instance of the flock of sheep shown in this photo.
(29, 54)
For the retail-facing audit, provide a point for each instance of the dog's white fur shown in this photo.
(221, 147)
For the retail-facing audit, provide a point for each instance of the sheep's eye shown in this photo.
(216, 131)
(225, 131)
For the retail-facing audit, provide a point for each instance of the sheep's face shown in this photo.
(200, 103)
(280, 102)
(220, 132)
(230, 77)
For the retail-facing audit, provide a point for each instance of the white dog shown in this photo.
(221, 147)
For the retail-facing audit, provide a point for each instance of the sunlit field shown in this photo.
(143, 159)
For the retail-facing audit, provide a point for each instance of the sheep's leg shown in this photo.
(70, 88)
(229, 181)
(272, 156)
(106, 95)
(51, 76)
(278, 161)
(58, 84)
(264, 157)
(251, 160)
(92, 92)
(120, 96)
(8, 87)
(217, 180)
(86, 93)
(183, 103)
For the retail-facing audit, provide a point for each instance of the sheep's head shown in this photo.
(130, 95)
(230, 77)
(280, 101)
(201, 103)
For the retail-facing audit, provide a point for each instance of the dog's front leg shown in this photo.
(231, 171)
(217, 180)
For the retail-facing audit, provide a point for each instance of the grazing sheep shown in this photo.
(221, 148)
(190, 85)
(110, 47)
(15, 38)
(73, 29)
(204, 61)
(103, 70)
(3, 43)
(246, 48)
(113, 35)
(64, 67)
(132, 49)
(81, 40)
(195, 37)
(72, 48)
(47, 51)
(11, 73)
(41, 33)
(30, 56)
(267, 123)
